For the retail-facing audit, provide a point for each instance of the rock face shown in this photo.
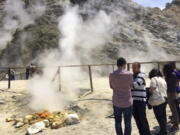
(143, 28)
(170, 18)
(1, 10)
(172, 12)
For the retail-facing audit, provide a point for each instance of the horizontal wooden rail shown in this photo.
(89, 66)
(55, 66)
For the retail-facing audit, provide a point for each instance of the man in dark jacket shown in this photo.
(171, 80)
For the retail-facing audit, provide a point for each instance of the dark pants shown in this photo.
(173, 107)
(127, 114)
(139, 113)
(160, 114)
(178, 109)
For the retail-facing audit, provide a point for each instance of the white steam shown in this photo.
(17, 17)
(82, 35)
(77, 38)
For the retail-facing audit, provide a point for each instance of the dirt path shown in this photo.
(94, 119)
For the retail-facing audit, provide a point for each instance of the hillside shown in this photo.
(139, 30)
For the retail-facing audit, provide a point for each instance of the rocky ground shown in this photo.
(94, 110)
(144, 27)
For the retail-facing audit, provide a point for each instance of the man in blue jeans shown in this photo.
(121, 82)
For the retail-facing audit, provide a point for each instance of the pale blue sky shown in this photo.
(153, 3)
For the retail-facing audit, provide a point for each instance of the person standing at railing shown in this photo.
(158, 99)
(177, 72)
(139, 99)
(121, 82)
(33, 69)
(171, 80)
(30, 70)
(27, 72)
(12, 74)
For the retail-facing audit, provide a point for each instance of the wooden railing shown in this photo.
(58, 73)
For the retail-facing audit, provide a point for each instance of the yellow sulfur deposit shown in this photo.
(53, 120)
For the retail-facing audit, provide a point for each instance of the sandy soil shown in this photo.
(94, 121)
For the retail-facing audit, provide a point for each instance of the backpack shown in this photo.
(177, 73)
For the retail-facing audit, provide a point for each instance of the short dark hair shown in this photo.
(168, 69)
(173, 64)
(121, 62)
(155, 73)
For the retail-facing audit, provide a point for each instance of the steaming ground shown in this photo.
(96, 106)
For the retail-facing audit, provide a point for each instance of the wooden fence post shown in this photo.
(59, 77)
(159, 66)
(90, 78)
(9, 78)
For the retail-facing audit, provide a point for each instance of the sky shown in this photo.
(153, 3)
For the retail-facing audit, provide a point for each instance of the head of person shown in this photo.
(168, 69)
(136, 67)
(173, 64)
(155, 73)
(121, 63)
